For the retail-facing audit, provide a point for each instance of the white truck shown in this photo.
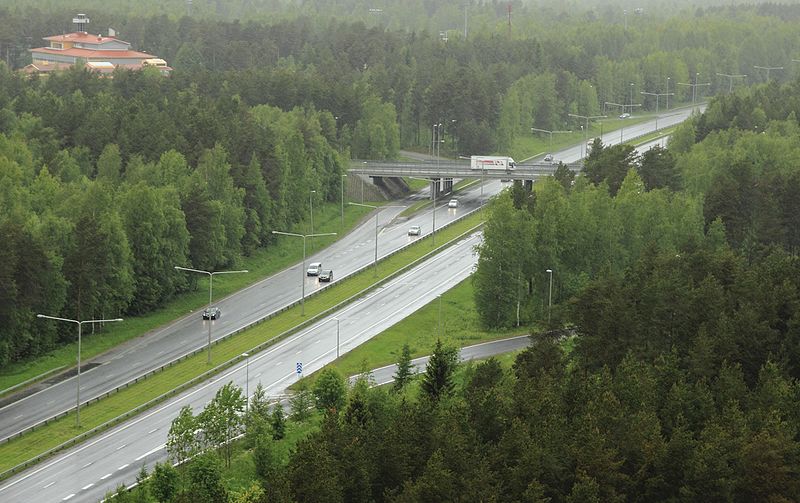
(492, 163)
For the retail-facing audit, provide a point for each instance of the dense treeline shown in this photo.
(485, 90)
(683, 381)
(108, 184)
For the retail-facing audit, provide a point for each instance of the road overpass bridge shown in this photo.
(442, 172)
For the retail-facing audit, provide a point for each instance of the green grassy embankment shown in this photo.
(62, 430)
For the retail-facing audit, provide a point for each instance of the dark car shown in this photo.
(212, 313)
(326, 275)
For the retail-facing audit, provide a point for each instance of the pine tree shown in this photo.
(438, 379)
(404, 369)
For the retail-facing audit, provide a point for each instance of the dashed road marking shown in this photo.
(152, 431)
(121, 446)
(48, 485)
(123, 467)
(87, 464)
(87, 486)
(68, 497)
(105, 476)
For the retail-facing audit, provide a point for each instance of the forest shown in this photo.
(255, 109)
(676, 271)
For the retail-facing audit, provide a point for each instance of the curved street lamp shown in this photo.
(210, 289)
(79, 323)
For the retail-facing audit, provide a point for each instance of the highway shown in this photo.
(123, 364)
(89, 471)
(138, 441)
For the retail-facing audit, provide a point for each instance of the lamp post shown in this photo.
(343, 177)
(246, 384)
(550, 133)
(730, 79)
(657, 95)
(210, 288)
(768, 68)
(303, 266)
(455, 140)
(435, 188)
(586, 129)
(375, 269)
(337, 337)
(631, 96)
(439, 328)
(79, 323)
(550, 297)
(311, 205)
(667, 105)
(694, 86)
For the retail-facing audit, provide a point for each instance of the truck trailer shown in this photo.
(492, 163)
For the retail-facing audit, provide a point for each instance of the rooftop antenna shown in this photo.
(80, 21)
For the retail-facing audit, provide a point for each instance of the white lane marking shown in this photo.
(20, 416)
(318, 341)
(87, 486)
(123, 467)
(279, 363)
(121, 446)
(105, 476)
(151, 451)
(48, 485)
(297, 338)
(258, 375)
(68, 497)
(51, 401)
(87, 464)
(299, 351)
(152, 431)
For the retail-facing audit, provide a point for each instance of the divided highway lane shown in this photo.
(138, 357)
(87, 472)
(190, 332)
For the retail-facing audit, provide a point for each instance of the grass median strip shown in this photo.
(62, 430)
(261, 264)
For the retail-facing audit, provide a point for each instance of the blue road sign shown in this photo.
(299, 368)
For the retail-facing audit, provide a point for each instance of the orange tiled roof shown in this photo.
(90, 54)
(83, 37)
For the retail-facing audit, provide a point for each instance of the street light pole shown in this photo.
(657, 95)
(439, 330)
(586, 129)
(694, 86)
(550, 297)
(210, 288)
(343, 177)
(337, 338)
(311, 205)
(768, 68)
(303, 266)
(730, 79)
(375, 268)
(631, 96)
(79, 323)
(435, 188)
(668, 95)
(246, 384)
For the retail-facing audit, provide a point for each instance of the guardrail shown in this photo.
(205, 375)
(40, 377)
